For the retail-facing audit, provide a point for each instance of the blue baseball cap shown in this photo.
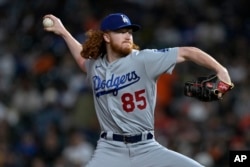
(117, 21)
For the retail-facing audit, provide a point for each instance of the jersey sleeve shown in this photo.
(159, 61)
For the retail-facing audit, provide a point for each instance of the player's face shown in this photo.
(121, 41)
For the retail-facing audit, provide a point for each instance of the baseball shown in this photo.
(47, 22)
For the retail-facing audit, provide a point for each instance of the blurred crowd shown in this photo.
(47, 117)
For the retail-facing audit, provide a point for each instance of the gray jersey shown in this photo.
(125, 90)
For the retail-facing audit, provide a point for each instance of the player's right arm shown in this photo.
(202, 58)
(74, 46)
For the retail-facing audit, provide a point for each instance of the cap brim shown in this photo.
(134, 27)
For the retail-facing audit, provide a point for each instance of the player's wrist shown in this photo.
(223, 75)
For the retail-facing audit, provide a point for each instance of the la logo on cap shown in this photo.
(117, 21)
(125, 19)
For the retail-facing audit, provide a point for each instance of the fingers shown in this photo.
(57, 27)
(220, 95)
(49, 16)
(53, 18)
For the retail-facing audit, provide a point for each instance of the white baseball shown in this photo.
(47, 22)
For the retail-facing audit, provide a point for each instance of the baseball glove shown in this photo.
(207, 89)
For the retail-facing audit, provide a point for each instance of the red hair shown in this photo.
(94, 46)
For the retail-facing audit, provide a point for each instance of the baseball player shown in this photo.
(123, 80)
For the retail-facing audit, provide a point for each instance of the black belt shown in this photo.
(127, 138)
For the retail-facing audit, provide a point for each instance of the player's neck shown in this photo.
(113, 55)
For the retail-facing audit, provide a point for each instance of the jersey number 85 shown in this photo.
(136, 100)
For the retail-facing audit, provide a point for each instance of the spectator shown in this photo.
(78, 151)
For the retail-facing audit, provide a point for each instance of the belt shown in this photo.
(128, 138)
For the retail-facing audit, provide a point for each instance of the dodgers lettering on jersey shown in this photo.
(124, 91)
(114, 84)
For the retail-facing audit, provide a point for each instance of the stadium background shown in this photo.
(46, 111)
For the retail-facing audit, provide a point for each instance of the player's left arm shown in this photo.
(202, 58)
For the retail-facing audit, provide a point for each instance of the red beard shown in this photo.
(123, 51)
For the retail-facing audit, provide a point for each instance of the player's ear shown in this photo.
(106, 37)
